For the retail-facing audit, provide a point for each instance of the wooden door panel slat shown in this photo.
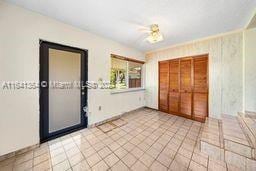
(174, 75)
(200, 74)
(185, 103)
(185, 74)
(200, 105)
(174, 98)
(200, 96)
(163, 86)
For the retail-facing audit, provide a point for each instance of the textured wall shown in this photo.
(19, 61)
(225, 71)
(250, 74)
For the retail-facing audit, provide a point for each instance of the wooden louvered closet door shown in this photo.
(163, 86)
(200, 97)
(183, 87)
(186, 87)
(174, 86)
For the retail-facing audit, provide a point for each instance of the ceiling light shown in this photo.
(154, 35)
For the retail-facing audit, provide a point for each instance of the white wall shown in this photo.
(225, 71)
(20, 31)
(250, 69)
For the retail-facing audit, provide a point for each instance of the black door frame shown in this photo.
(44, 90)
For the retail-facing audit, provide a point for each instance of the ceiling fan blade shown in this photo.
(142, 38)
(145, 39)
(144, 30)
(138, 26)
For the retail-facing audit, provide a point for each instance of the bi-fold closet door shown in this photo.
(174, 86)
(200, 92)
(163, 85)
(183, 87)
(186, 87)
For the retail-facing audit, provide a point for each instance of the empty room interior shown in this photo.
(127, 85)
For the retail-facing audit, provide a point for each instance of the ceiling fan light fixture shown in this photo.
(155, 35)
(155, 38)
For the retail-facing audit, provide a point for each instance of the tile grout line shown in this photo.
(179, 148)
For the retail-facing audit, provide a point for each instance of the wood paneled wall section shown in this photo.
(183, 87)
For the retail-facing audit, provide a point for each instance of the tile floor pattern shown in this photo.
(150, 140)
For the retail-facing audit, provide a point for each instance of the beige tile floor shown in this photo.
(150, 140)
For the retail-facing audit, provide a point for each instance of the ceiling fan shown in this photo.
(154, 34)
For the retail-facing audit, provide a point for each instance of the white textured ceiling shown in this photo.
(125, 20)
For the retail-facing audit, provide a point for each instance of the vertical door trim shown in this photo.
(159, 85)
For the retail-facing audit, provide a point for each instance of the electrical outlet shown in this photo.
(139, 98)
(99, 108)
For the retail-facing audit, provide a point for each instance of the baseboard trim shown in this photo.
(18, 152)
(32, 147)
(114, 118)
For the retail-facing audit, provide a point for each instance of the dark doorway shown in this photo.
(63, 91)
